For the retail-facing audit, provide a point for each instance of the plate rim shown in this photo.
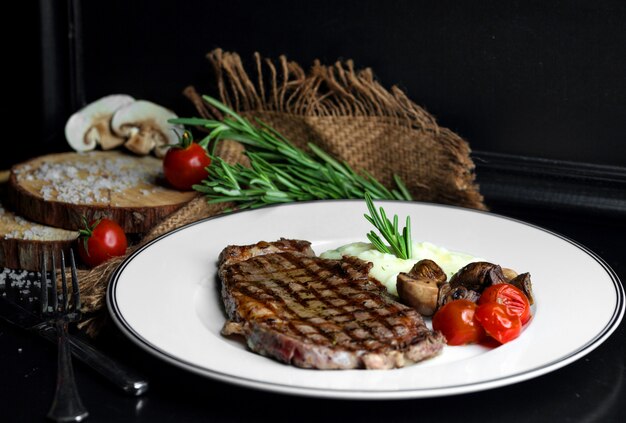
(597, 340)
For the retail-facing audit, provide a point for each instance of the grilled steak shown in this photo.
(317, 313)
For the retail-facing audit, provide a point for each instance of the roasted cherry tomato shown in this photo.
(101, 240)
(510, 296)
(458, 324)
(499, 322)
(185, 164)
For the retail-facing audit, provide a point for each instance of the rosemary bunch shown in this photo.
(279, 172)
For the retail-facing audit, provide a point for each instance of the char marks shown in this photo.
(328, 306)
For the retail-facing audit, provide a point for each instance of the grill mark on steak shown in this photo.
(280, 294)
(318, 313)
(336, 294)
(365, 324)
(370, 303)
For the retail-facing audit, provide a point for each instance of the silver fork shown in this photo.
(67, 405)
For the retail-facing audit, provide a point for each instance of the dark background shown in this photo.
(538, 79)
(535, 78)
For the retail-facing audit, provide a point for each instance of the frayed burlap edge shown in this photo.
(284, 87)
(339, 91)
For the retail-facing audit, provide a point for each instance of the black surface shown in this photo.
(536, 78)
(554, 185)
(589, 390)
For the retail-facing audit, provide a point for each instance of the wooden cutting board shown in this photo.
(59, 189)
(22, 242)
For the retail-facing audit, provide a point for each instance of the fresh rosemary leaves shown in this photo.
(279, 172)
(399, 243)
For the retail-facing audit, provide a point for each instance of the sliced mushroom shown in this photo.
(477, 276)
(90, 126)
(420, 287)
(523, 282)
(138, 143)
(146, 127)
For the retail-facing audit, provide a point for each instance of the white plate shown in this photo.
(165, 297)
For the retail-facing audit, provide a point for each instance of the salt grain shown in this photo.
(88, 182)
(23, 229)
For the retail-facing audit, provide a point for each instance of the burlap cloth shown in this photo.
(345, 112)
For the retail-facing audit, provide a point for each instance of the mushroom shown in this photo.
(509, 274)
(428, 269)
(420, 287)
(89, 126)
(477, 276)
(447, 294)
(146, 127)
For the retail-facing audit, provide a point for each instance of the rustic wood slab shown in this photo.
(59, 189)
(22, 242)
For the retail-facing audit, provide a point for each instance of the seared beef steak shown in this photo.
(318, 313)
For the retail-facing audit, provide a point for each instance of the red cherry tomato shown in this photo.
(499, 322)
(458, 324)
(101, 240)
(185, 164)
(510, 296)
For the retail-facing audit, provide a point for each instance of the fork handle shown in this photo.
(123, 377)
(67, 405)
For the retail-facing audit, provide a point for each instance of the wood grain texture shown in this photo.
(26, 254)
(136, 208)
(22, 243)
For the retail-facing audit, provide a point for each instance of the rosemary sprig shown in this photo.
(399, 244)
(279, 172)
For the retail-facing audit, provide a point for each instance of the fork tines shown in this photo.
(61, 306)
(75, 288)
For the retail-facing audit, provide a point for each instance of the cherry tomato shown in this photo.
(101, 240)
(185, 164)
(510, 296)
(457, 322)
(499, 322)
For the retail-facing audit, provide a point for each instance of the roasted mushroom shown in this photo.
(509, 274)
(428, 269)
(420, 287)
(458, 293)
(477, 276)
(443, 293)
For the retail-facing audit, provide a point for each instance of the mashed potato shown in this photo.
(387, 266)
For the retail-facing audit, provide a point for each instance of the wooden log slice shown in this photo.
(59, 189)
(22, 242)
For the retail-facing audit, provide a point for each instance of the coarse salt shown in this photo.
(89, 182)
(23, 229)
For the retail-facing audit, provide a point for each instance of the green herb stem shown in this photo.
(398, 243)
(279, 171)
